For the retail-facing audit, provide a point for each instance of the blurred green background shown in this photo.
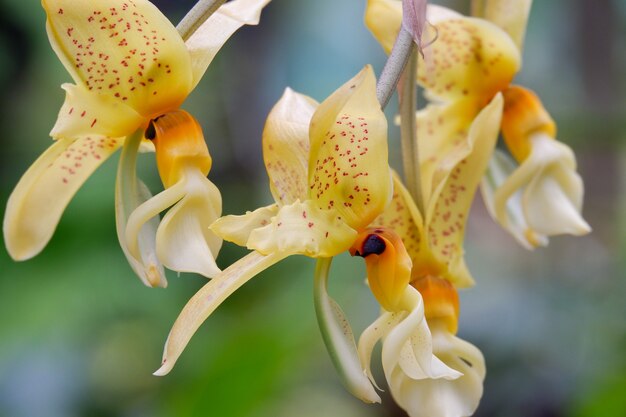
(80, 335)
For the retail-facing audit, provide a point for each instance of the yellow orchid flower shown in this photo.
(542, 196)
(430, 371)
(130, 67)
(330, 179)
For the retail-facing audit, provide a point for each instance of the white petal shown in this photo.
(184, 241)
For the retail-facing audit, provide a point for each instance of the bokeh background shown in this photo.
(80, 335)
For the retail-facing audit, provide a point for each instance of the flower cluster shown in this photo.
(333, 187)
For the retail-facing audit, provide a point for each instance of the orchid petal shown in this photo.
(449, 205)
(237, 229)
(470, 58)
(442, 131)
(126, 50)
(207, 299)
(304, 229)
(372, 334)
(403, 217)
(286, 146)
(414, 331)
(87, 113)
(348, 167)
(184, 242)
(442, 397)
(209, 38)
(130, 193)
(414, 18)
(501, 167)
(44, 191)
(339, 339)
(511, 16)
(384, 19)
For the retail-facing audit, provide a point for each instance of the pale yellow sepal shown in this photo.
(205, 301)
(451, 397)
(127, 50)
(286, 146)
(302, 228)
(209, 38)
(510, 15)
(237, 229)
(450, 203)
(40, 197)
(348, 167)
(87, 113)
(540, 198)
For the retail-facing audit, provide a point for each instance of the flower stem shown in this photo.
(394, 66)
(408, 132)
(197, 16)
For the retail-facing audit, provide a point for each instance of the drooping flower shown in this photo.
(129, 67)
(542, 196)
(330, 179)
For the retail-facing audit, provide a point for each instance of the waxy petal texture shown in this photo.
(125, 49)
(209, 38)
(511, 16)
(302, 228)
(237, 229)
(286, 146)
(448, 208)
(87, 113)
(348, 168)
(40, 197)
(205, 301)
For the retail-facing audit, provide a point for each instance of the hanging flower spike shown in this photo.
(330, 177)
(129, 66)
(543, 195)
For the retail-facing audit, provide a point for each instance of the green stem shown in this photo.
(408, 132)
(197, 16)
(394, 66)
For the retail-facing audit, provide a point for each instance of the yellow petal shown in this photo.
(511, 16)
(40, 197)
(449, 207)
(470, 57)
(441, 301)
(87, 113)
(302, 228)
(286, 146)
(237, 229)
(209, 38)
(184, 242)
(384, 18)
(127, 50)
(403, 217)
(442, 138)
(207, 299)
(130, 193)
(348, 168)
